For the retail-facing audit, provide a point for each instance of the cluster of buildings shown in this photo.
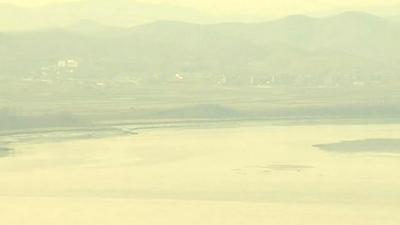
(61, 67)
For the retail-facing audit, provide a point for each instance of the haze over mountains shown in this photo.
(345, 46)
(31, 15)
(395, 18)
(121, 13)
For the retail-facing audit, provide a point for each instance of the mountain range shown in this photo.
(128, 13)
(121, 13)
(351, 44)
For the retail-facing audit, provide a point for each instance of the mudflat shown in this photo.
(244, 174)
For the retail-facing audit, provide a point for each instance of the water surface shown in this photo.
(247, 174)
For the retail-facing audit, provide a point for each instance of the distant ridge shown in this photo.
(343, 46)
(120, 13)
(90, 27)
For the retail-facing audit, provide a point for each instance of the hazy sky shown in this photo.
(118, 12)
(255, 6)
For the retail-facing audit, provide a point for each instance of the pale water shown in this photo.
(247, 174)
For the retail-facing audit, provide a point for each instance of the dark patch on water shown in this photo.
(363, 146)
(267, 169)
(6, 152)
(288, 167)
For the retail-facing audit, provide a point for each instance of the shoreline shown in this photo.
(131, 127)
(120, 126)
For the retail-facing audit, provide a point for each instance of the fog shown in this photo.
(42, 14)
(212, 112)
